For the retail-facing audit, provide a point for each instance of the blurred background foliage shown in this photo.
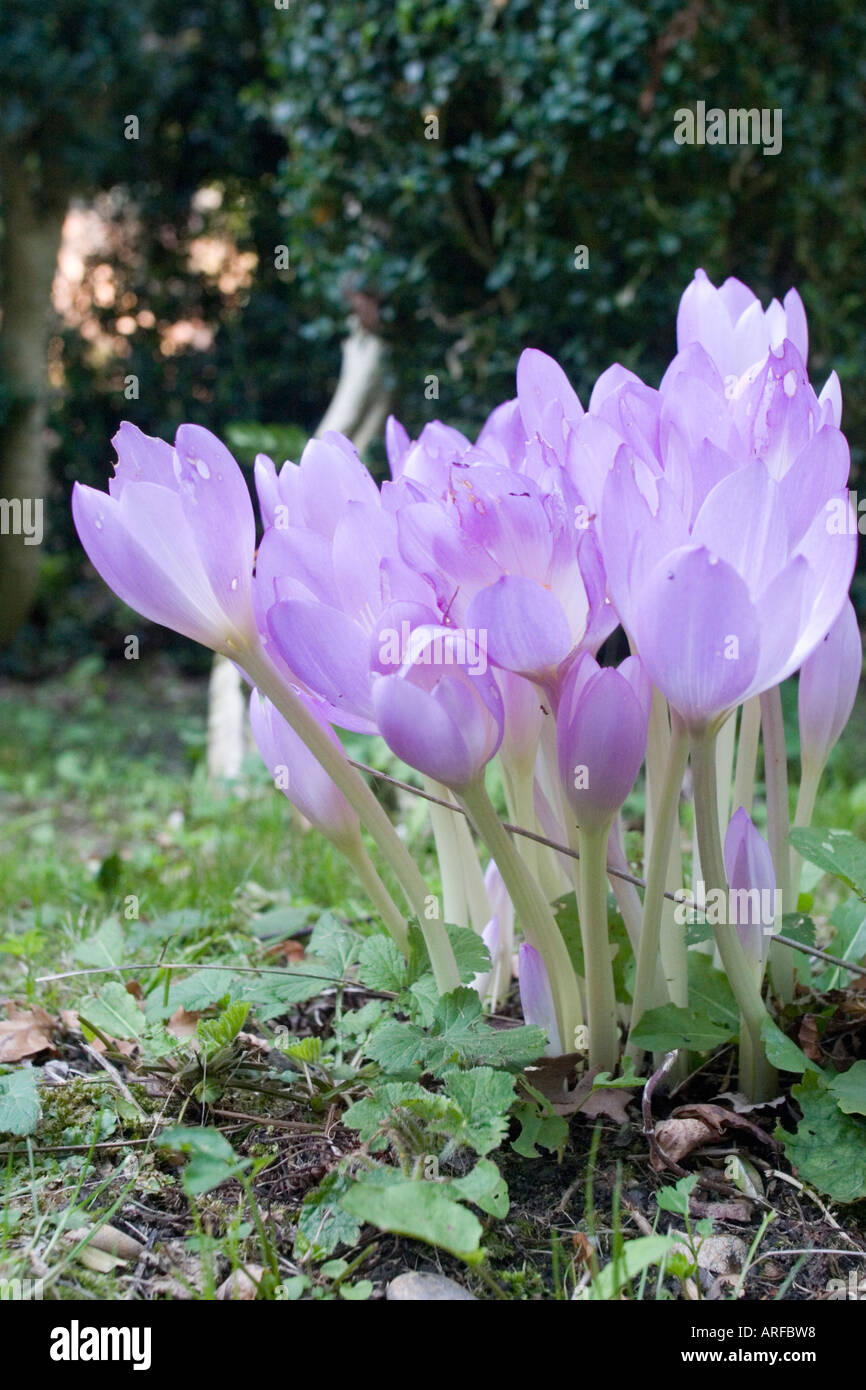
(307, 126)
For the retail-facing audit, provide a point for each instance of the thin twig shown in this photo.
(647, 1112)
(634, 879)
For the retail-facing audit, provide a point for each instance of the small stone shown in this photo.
(426, 1288)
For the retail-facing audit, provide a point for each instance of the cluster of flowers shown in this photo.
(457, 612)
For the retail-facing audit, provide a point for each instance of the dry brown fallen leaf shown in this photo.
(182, 1024)
(286, 950)
(807, 1037)
(693, 1125)
(24, 1033)
(551, 1075)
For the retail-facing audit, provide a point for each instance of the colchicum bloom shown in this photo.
(735, 331)
(297, 773)
(752, 883)
(536, 999)
(175, 535)
(716, 531)
(457, 611)
(442, 713)
(828, 687)
(601, 736)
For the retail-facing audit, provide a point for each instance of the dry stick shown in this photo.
(574, 854)
(384, 994)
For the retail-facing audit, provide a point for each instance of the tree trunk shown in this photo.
(358, 410)
(28, 258)
(360, 403)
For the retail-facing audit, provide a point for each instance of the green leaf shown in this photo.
(782, 1051)
(272, 994)
(568, 921)
(214, 1033)
(105, 947)
(322, 1223)
(195, 993)
(711, 994)
(849, 942)
(484, 1186)
(828, 1150)
(484, 1098)
(637, 1255)
(334, 944)
(470, 952)
(661, 1030)
(203, 1140)
(799, 927)
(306, 1050)
(419, 1209)
(114, 1012)
(357, 1293)
(381, 965)
(539, 1124)
(850, 1089)
(837, 852)
(370, 1115)
(212, 1159)
(676, 1198)
(19, 1102)
(459, 1035)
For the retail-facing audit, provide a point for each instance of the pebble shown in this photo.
(426, 1288)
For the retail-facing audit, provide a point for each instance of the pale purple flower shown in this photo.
(714, 526)
(828, 687)
(333, 595)
(442, 713)
(298, 774)
(733, 328)
(536, 997)
(752, 883)
(601, 736)
(174, 537)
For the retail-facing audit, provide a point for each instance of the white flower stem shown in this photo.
(667, 822)
(379, 895)
(371, 813)
(810, 777)
(778, 825)
(747, 755)
(598, 970)
(531, 909)
(448, 854)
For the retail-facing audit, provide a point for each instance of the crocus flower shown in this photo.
(331, 587)
(299, 775)
(735, 331)
(601, 736)
(727, 573)
(536, 999)
(752, 882)
(733, 328)
(828, 686)
(174, 537)
(498, 937)
(442, 713)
